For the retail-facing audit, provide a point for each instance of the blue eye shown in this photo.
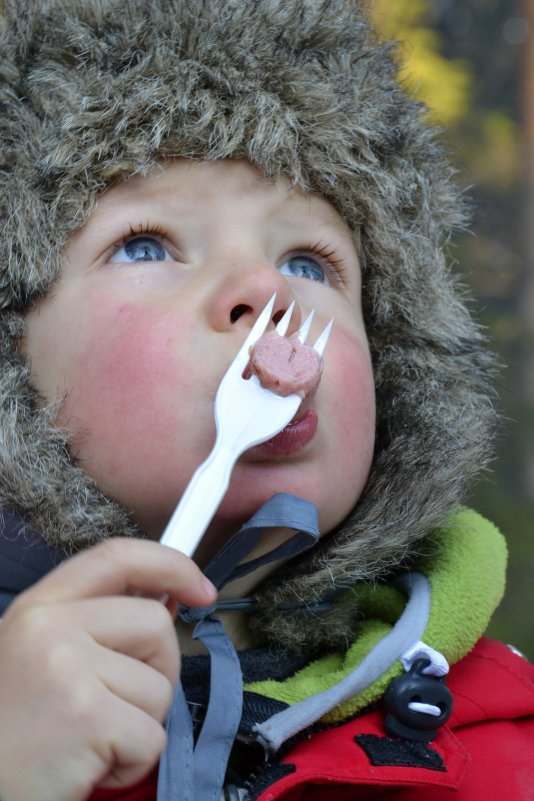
(304, 267)
(140, 248)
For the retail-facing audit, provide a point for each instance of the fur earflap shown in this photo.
(92, 91)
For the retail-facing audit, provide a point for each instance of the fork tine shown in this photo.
(243, 355)
(304, 329)
(283, 325)
(322, 339)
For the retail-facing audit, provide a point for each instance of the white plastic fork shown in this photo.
(246, 414)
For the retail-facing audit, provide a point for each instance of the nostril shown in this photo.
(238, 311)
(278, 316)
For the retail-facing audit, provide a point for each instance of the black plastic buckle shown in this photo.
(414, 686)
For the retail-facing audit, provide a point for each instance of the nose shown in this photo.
(242, 296)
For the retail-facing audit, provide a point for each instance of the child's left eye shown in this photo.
(140, 249)
(304, 267)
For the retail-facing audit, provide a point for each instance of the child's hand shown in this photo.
(87, 671)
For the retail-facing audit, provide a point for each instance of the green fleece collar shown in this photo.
(466, 567)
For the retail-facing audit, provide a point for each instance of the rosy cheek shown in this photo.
(125, 390)
(352, 376)
(349, 431)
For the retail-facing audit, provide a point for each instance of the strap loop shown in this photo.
(190, 772)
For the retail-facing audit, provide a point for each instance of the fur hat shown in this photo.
(92, 91)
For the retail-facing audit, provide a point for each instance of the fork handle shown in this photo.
(200, 501)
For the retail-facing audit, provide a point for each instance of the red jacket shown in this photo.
(484, 753)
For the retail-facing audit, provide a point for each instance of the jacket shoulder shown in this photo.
(492, 682)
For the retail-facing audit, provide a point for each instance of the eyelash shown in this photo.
(331, 256)
(143, 229)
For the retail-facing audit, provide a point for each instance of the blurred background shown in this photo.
(472, 62)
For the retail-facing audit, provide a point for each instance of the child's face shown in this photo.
(158, 291)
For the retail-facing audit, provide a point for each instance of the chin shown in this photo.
(238, 507)
(248, 491)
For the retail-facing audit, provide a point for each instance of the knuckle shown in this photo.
(161, 620)
(44, 636)
(37, 624)
(156, 740)
(113, 549)
(84, 703)
(166, 691)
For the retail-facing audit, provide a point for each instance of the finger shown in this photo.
(137, 627)
(120, 565)
(137, 683)
(131, 746)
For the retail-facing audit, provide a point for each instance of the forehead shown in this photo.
(199, 184)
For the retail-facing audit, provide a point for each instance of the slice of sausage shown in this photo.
(284, 365)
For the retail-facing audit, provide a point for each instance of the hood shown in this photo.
(102, 90)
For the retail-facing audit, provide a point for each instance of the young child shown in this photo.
(165, 168)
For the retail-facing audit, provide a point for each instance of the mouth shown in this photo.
(292, 439)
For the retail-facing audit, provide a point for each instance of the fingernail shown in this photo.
(209, 588)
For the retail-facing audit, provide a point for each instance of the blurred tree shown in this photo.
(443, 84)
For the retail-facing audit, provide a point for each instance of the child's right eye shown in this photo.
(140, 249)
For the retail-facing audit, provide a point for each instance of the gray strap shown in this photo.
(224, 710)
(175, 777)
(408, 629)
(196, 773)
(283, 509)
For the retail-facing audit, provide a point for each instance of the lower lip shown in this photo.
(293, 438)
